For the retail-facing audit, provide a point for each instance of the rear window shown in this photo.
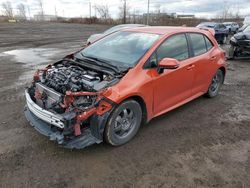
(198, 44)
(209, 44)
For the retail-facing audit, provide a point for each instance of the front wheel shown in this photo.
(123, 123)
(216, 84)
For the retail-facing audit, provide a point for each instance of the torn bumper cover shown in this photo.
(53, 126)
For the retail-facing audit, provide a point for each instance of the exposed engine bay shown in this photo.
(56, 80)
(240, 45)
(64, 77)
(67, 102)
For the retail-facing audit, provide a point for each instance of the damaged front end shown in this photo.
(67, 103)
(240, 45)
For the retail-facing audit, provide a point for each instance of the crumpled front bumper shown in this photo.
(80, 142)
(54, 119)
(45, 122)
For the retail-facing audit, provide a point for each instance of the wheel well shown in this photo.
(224, 72)
(143, 107)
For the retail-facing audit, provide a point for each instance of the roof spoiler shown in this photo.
(212, 31)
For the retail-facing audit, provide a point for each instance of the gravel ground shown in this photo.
(205, 143)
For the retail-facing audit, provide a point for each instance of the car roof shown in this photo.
(163, 30)
(130, 25)
(208, 23)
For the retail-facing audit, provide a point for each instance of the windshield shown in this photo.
(122, 48)
(121, 27)
(113, 29)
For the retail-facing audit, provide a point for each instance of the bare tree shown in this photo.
(229, 11)
(40, 4)
(225, 12)
(22, 11)
(124, 11)
(103, 11)
(237, 10)
(8, 10)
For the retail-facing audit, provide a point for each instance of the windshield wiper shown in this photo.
(102, 63)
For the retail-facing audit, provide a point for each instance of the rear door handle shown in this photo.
(213, 58)
(190, 67)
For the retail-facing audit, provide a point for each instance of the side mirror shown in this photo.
(169, 63)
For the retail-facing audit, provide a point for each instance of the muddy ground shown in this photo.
(205, 143)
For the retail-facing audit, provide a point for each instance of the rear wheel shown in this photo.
(123, 123)
(216, 84)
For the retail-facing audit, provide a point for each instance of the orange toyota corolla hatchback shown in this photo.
(107, 90)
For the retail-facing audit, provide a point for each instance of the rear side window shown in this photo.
(208, 43)
(174, 47)
(198, 44)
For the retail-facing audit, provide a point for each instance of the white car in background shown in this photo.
(233, 27)
(114, 29)
(246, 21)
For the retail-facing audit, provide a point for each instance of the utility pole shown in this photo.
(125, 12)
(89, 9)
(29, 12)
(148, 13)
(55, 12)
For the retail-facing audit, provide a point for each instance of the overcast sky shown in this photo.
(76, 8)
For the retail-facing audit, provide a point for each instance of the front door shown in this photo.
(173, 86)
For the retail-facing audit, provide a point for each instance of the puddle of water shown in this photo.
(32, 56)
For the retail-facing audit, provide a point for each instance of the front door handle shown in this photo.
(190, 67)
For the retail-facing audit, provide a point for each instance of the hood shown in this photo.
(242, 36)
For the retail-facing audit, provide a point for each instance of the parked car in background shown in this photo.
(108, 89)
(240, 44)
(114, 29)
(243, 27)
(221, 31)
(246, 20)
(246, 23)
(232, 26)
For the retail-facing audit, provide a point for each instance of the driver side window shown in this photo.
(175, 47)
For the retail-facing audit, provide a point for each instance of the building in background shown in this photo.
(154, 18)
(45, 17)
(185, 16)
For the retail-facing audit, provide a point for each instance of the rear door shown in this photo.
(204, 56)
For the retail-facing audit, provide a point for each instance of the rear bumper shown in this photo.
(80, 142)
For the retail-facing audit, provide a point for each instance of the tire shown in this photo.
(123, 123)
(216, 84)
